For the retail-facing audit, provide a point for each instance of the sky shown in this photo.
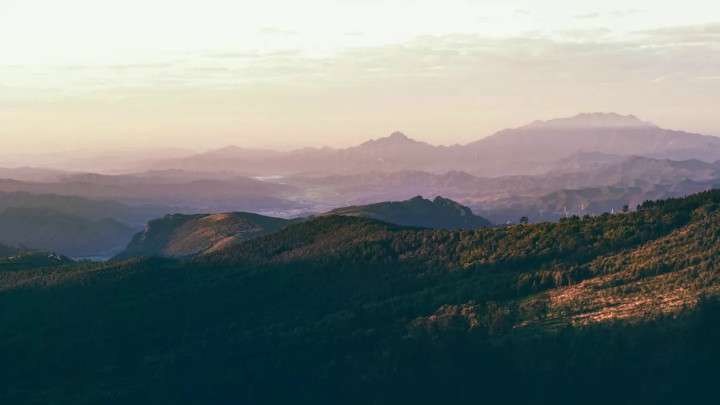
(284, 74)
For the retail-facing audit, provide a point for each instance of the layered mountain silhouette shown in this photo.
(610, 159)
(394, 152)
(529, 149)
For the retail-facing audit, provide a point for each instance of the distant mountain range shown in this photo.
(518, 150)
(534, 148)
(586, 164)
(530, 149)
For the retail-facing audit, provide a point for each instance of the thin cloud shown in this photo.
(230, 55)
(608, 14)
(584, 34)
(250, 55)
(706, 34)
(277, 31)
(118, 67)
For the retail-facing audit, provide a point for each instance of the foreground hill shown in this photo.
(177, 236)
(339, 309)
(52, 230)
(183, 236)
(439, 213)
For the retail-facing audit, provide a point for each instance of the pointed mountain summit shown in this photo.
(396, 138)
(395, 152)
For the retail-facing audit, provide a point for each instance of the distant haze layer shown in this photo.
(282, 74)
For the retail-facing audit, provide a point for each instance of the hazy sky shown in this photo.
(283, 73)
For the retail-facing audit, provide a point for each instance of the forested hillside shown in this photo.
(182, 236)
(439, 213)
(343, 309)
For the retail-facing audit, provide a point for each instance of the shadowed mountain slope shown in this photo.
(51, 230)
(439, 213)
(178, 235)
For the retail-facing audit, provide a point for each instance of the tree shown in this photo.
(524, 220)
(625, 208)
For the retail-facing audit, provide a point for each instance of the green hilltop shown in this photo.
(440, 213)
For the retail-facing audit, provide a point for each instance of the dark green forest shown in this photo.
(613, 308)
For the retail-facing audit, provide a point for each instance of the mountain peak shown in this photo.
(592, 120)
(397, 135)
(396, 138)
